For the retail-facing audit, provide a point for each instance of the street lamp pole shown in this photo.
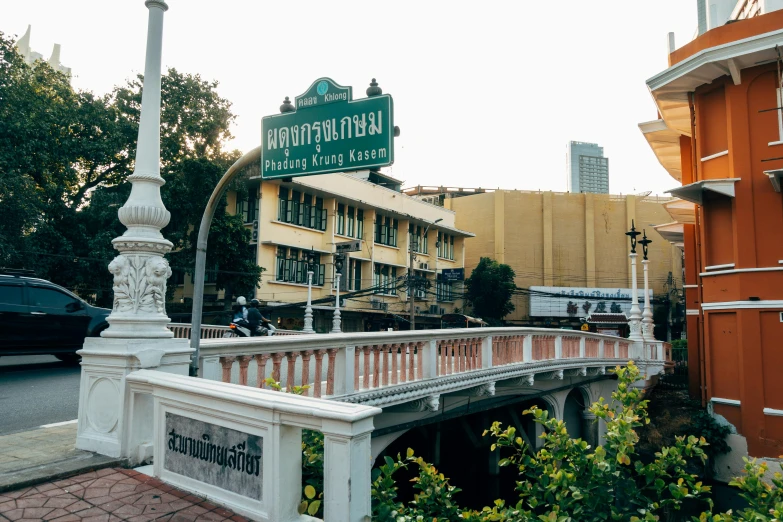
(636, 316)
(308, 316)
(647, 316)
(411, 299)
(338, 267)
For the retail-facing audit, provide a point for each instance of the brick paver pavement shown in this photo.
(108, 495)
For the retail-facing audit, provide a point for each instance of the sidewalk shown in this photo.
(45, 454)
(109, 495)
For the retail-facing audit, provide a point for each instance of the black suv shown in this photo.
(39, 317)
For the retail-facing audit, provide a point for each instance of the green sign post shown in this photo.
(328, 131)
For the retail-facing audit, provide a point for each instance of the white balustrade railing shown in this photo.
(213, 331)
(347, 363)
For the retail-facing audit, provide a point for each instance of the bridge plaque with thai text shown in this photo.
(219, 456)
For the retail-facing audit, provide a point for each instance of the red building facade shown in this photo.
(720, 134)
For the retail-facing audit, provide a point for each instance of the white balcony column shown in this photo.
(635, 320)
(647, 316)
(137, 336)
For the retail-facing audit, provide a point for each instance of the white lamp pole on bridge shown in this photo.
(647, 316)
(138, 336)
(635, 320)
(308, 316)
(338, 267)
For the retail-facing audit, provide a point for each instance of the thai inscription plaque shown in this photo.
(218, 456)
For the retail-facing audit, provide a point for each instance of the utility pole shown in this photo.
(412, 301)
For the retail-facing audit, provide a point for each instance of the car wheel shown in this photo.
(69, 358)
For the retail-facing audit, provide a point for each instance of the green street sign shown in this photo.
(328, 131)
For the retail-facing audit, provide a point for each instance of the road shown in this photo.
(36, 390)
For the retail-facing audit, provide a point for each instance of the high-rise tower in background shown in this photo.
(588, 169)
(30, 56)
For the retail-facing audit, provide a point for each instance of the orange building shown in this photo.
(720, 133)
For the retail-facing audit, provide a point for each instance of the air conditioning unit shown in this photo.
(424, 266)
(442, 311)
(384, 306)
(255, 230)
(376, 304)
(417, 310)
(434, 309)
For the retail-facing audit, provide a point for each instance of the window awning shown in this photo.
(775, 176)
(694, 192)
(298, 247)
(672, 232)
(665, 144)
(681, 211)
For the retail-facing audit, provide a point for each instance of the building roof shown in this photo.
(607, 318)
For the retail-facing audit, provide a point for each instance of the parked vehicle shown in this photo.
(39, 317)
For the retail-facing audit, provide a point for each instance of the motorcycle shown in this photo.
(242, 328)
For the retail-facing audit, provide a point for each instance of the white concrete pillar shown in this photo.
(430, 358)
(344, 371)
(558, 347)
(527, 348)
(486, 352)
(581, 347)
(347, 477)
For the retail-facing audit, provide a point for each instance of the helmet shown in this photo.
(241, 300)
(255, 303)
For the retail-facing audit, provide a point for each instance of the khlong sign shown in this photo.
(328, 131)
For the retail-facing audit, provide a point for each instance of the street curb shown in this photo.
(58, 471)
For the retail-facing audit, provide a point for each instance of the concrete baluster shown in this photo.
(277, 357)
(244, 362)
(319, 372)
(356, 371)
(401, 375)
(442, 353)
(290, 377)
(306, 355)
(366, 374)
(386, 352)
(261, 360)
(330, 371)
(414, 350)
(376, 363)
(227, 363)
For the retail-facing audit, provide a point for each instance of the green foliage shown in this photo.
(704, 425)
(296, 390)
(765, 501)
(64, 157)
(489, 289)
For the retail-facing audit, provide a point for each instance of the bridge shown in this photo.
(370, 394)
(432, 374)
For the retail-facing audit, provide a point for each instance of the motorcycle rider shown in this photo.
(240, 309)
(255, 318)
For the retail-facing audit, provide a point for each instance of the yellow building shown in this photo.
(291, 217)
(562, 240)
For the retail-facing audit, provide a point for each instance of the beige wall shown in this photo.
(564, 239)
(346, 189)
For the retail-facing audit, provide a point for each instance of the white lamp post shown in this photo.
(647, 316)
(635, 320)
(338, 266)
(308, 316)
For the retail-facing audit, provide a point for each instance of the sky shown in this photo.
(486, 93)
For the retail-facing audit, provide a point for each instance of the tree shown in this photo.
(64, 157)
(489, 289)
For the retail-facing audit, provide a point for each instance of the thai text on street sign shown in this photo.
(328, 131)
(349, 246)
(219, 456)
(453, 274)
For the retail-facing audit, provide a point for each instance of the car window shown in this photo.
(49, 297)
(11, 294)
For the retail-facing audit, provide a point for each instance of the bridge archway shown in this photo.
(458, 449)
(574, 407)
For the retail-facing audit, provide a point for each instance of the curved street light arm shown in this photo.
(201, 250)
